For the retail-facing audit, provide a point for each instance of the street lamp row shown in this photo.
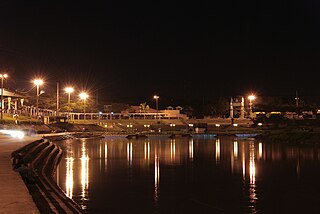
(38, 83)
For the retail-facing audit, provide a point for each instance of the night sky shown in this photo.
(129, 50)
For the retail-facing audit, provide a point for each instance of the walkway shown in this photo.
(14, 195)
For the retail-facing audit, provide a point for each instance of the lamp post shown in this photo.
(83, 96)
(251, 99)
(38, 82)
(2, 103)
(156, 97)
(69, 90)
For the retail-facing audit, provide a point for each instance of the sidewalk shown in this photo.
(14, 195)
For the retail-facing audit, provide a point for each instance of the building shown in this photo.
(237, 107)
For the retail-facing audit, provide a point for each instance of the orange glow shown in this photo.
(251, 97)
(69, 89)
(83, 95)
(38, 82)
(69, 177)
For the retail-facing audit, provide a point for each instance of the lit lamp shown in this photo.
(172, 125)
(69, 90)
(38, 82)
(156, 97)
(3, 76)
(251, 99)
(147, 126)
(83, 96)
(130, 127)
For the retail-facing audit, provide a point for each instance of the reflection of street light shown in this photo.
(69, 90)
(156, 97)
(83, 96)
(38, 82)
(251, 98)
(2, 76)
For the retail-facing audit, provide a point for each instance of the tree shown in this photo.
(144, 108)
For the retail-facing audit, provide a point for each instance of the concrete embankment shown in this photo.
(43, 157)
(14, 196)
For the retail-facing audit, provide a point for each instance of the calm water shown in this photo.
(200, 175)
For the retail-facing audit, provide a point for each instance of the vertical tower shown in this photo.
(242, 108)
(231, 108)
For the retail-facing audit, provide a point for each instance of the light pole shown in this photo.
(83, 96)
(38, 82)
(156, 97)
(69, 90)
(251, 98)
(2, 103)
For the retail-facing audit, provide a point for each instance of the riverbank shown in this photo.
(14, 195)
(37, 163)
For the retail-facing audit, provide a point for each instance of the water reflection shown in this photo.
(235, 149)
(69, 177)
(243, 162)
(131, 174)
(129, 153)
(146, 150)
(105, 157)
(172, 149)
(252, 175)
(217, 150)
(260, 150)
(84, 172)
(156, 179)
(191, 148)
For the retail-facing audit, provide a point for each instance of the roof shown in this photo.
(8, 93)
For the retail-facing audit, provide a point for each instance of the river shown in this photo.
(200, 175)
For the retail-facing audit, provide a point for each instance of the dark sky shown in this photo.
(129, 50)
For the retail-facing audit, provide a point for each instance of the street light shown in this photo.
(130, 127)
(38, 82)
(2, 103)
(83, 96)
(147, 126)
(251, 99)
(156, 97)
(172, 125)
(69, 90)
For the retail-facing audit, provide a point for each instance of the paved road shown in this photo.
(14, 195)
